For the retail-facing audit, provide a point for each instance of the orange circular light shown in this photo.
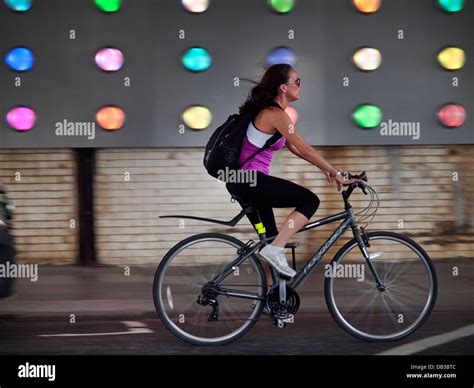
(110, 118)
(367, 6)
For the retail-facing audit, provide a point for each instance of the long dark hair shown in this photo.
(265, 91)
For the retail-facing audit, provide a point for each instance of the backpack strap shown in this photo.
(277, 136)
(275, 104)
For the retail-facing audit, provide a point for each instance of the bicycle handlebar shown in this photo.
(362, 176)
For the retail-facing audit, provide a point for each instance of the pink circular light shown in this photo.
(293, 113)
(109, 59)
(21, 118)
(452, 115)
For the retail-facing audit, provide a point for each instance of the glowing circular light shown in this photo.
(197, 117)
(451, 6)
(21, 118)
(108, 5)
(367, 58)
(367, 6)
(367, 116)
(109, 59)
(452, 58)
(19, 5)
(196, 59)
(195, 6)
(292, 113)
(20, 59)
(452, 115)
(282, 6)
(281, 55)
(110, 118)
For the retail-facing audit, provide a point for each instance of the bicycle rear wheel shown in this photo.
(182, 282)
(393, 311)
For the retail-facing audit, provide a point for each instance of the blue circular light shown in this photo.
(451, 6)
(281, 55)
(20, 59)
(197, 59)
(19, 5)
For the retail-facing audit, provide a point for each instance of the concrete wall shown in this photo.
(41, 184)
(415, 185)
(134, 186)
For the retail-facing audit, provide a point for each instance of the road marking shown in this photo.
(134, 327)
(429, 342)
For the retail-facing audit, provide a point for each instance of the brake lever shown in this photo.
(362, 187)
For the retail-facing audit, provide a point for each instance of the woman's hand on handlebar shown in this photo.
(343, 180)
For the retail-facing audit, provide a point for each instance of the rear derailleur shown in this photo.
(208, 297)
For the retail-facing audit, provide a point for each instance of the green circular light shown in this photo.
(282, 6)
(197, 59)
(108, 5)
(367, 116)
(451, 5)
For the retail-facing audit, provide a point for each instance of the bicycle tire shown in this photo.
(157, 294)
(333, 309)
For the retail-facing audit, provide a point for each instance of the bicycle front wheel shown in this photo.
(388, 312)
(191, 309)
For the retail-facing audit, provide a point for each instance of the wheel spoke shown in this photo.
(408, 279)
(188, 271)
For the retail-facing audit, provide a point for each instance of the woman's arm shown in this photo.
(298, 145)
(321, 161)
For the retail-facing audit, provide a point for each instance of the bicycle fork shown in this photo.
(361, 239)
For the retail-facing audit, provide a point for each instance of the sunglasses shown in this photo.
(297, 82)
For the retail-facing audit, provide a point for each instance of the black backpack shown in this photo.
(224, 147)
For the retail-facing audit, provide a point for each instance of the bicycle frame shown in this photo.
(349, 220)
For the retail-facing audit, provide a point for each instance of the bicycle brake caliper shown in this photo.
(245, 248)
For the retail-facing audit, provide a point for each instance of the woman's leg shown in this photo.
(266, 216)
(294, 222)
(275, 192)
(268, 220)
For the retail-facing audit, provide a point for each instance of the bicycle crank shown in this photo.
(282, 310)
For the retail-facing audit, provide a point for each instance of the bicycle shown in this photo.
(210, 289)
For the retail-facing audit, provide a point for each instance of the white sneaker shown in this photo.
(277, 260)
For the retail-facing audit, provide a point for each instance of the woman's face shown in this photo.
(293, 87)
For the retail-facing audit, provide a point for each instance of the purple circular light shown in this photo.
(21, 118)
(109, 59)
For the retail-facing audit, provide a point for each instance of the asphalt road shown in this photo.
(114, 314)
(311, 334)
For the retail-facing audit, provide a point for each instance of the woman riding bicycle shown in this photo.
(267, 101)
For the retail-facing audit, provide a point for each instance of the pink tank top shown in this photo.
(254, 140)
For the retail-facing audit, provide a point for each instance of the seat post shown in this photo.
(293, 246)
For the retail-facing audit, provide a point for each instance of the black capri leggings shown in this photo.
(271, 192)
